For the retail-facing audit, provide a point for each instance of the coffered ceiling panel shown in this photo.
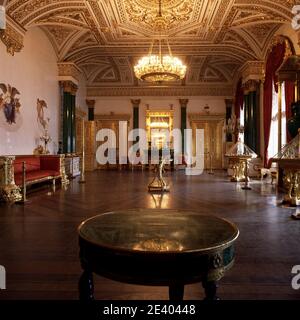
(106, 37)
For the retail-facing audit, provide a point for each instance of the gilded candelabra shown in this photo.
(46, 139)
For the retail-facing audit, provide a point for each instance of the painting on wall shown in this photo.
(9, 103)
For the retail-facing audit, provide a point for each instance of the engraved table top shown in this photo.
(158, 231)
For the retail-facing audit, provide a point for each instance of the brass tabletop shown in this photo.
(161, 231)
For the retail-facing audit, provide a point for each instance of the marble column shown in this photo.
(136, 106)
(68, 116)
(91, 108)
(183, 110)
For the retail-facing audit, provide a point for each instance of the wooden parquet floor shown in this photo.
(39, 244)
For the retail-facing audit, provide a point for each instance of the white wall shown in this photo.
(34, 73)
(81, 94)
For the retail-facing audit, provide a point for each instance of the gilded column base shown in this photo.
(10, 193)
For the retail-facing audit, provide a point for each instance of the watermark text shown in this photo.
(2, 278)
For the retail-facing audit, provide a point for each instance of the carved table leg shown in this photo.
(176, 292)
(210, 288)
(86, 286)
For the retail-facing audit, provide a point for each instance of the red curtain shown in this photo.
(289, 99)
(239, 99)
(275, 59)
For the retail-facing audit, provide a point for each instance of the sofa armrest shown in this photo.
(55, 163)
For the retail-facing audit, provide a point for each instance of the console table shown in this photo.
(72, 164)
(156, 247)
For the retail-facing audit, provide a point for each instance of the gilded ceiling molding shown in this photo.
(276, 10)
(230, 31)
(68, 71)
(213, 90)
(253, 70)
(144, 12)
(12, 36)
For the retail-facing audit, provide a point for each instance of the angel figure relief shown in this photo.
(10, 104)
(41, 106)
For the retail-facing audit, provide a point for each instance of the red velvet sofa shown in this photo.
(39, 168)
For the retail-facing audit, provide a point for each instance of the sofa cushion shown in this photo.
(32, 164)
(35, 175)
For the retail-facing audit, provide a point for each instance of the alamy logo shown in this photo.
(296, 278)
(296, 19)
(134, 146)
(2, 278)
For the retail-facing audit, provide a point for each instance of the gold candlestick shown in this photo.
(82, 176)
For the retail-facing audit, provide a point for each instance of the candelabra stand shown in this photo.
(210, 164)
(82, 175)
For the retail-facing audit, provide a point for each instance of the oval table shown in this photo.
(156, 247)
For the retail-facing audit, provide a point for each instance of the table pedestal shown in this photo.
(291, 181)
(176, 290)
(239, 164)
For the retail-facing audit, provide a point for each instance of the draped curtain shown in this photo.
(239, 99)
(274, 61)
(289, 99)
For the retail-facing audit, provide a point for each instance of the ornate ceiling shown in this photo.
(104, 38)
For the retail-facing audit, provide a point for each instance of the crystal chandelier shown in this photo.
(160, 68)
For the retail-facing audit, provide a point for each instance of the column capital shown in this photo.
(90, 103)
(253, 70)
(68, 71)
(69, 86)
(183, 102)
(251, 86)
(135, 102)
(12, 36)
(229, 102)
